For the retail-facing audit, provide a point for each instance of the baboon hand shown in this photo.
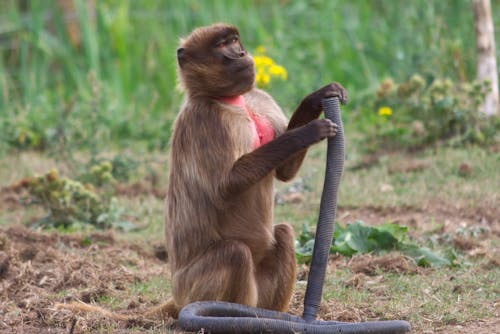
(324, 128)
(313, 100)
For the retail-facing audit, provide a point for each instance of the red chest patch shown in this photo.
(260, 126)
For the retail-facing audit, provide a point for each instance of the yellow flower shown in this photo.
(385, 111)
(266, 69)
(95, 169)
(262, 79)
(261, 61)
(278, 71)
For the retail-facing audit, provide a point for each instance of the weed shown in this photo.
(415, 114)
(71, 204)
(358, 238)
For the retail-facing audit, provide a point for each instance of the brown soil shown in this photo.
(368, 264)
(435, 217)
(139, 188)
(11, 196)
(38, 270)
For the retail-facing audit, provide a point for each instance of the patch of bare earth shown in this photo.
(38, 270)
(11, 196)
(435, 216)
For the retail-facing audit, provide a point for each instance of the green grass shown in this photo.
(156, 288)
(440, 179)
(427, 300)
(438, 183)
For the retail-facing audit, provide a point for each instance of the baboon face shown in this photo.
(212, 61)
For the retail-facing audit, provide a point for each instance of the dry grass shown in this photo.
(40, 269)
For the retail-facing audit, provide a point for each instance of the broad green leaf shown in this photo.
(382, 240)
(357, 237)
(397, 231)
(361, 238)
(425, 257)
(303, 253)
(342, 248)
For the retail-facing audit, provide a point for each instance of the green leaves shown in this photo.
(72, 205)
(421, 111)
(304, 245)
(424, 257)
(359, 238)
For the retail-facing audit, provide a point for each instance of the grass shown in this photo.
(437, 183)
(156, 288)
(431, 299)
(414, 189)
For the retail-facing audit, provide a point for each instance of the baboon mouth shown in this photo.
(244, 68)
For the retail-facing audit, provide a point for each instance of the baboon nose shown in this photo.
(243, 53)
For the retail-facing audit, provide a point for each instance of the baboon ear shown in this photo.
(181, 56)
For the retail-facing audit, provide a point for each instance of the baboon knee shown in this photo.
(237, 253)
(283, 233)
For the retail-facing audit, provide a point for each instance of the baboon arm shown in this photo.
(302, 115)
(254, 166)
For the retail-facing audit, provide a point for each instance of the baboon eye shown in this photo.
(221, 44)
(228, 41)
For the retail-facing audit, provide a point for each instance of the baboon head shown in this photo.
(213, 62)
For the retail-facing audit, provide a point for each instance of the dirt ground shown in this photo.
(38, 270)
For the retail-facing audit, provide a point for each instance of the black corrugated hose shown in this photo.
(222, 317)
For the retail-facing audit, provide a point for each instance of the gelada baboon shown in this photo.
(230, 140)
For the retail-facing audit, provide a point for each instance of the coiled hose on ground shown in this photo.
(222, 317)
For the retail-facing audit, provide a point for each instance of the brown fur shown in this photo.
(220, 239)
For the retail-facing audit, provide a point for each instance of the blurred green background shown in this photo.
(121, 75)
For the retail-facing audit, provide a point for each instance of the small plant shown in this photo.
(416, 113)
(21, 133)
(359, 238)
(73, 204)
(99, 174)
(266, 69)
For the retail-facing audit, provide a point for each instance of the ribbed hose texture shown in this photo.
(222, 317)
(324, 229)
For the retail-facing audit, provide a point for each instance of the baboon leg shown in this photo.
(225, 272)
(276, 272)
